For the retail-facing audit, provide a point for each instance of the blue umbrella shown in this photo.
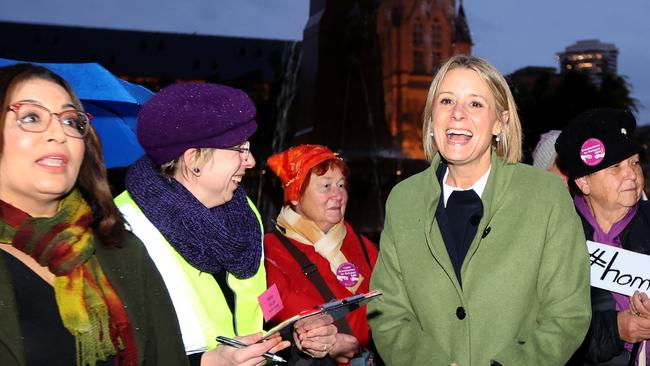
(113, 102)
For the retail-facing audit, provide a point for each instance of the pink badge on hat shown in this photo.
(347, 274)
(592, 152)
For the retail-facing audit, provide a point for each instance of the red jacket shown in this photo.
(298, 293)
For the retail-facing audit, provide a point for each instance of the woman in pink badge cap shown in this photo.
(311, 230)
(599, 154)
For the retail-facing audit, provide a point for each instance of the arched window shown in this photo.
(418, 63)
(418, 34)
(436, 59)
(436, 34)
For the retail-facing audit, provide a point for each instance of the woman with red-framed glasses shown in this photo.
(75, 287)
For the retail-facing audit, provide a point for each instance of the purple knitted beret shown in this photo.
(194, 115)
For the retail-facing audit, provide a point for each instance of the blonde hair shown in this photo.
(509, 145)
(170, 168)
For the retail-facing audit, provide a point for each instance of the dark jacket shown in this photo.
(603, 346)
(139, 286)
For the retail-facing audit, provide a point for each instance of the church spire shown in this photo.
(461, 29)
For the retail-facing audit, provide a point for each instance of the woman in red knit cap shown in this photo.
(311, 231)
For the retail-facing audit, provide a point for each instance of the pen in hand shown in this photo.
(237, 344)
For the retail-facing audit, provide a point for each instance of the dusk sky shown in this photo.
(509, 33)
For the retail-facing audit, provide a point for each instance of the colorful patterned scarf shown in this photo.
(89, 306)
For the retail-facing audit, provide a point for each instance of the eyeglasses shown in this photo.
(244, 149)
(36, 118)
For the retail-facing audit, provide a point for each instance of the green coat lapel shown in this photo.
(432, 234)
(493, 197)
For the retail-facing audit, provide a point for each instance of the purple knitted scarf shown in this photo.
(224, 237)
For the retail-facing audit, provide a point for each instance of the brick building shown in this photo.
(415, 37)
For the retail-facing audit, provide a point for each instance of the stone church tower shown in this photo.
(415, 37)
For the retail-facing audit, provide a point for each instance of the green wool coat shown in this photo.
(525, 294)
(139, 286)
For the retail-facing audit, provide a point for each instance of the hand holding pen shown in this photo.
(250, 352)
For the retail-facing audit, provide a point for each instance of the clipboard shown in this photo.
(337, 309)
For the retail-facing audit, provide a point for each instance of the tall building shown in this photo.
(590, 55)
(415, 37)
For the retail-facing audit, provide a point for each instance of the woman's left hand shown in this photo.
(345, 347)
(640, 304)
(315, 335)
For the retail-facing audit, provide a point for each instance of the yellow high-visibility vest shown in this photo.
(200, 305)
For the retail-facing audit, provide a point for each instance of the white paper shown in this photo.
(618, 270)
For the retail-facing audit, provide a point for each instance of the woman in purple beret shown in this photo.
(599, 154)
(184, 201)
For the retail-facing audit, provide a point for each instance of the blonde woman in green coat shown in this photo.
(482, 260)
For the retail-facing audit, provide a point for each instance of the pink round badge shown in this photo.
(592, 152)
(347, 274)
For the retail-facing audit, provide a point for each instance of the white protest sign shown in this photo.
(618, 270)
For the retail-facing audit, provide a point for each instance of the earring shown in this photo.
(196, 170)
(497, 138)
(431, 134)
